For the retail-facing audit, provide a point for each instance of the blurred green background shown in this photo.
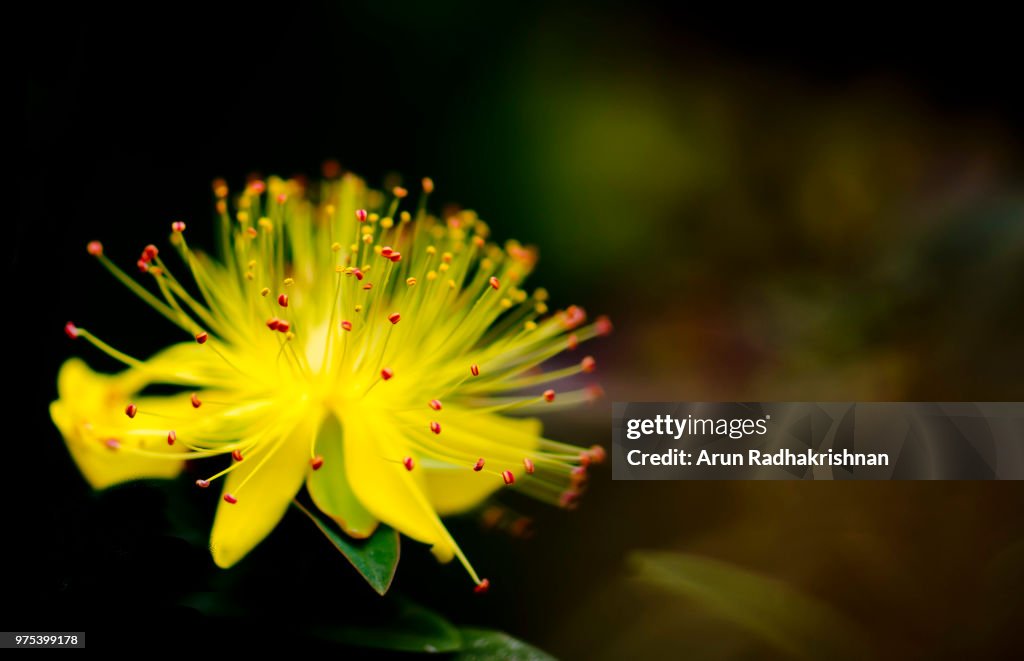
(768, 211)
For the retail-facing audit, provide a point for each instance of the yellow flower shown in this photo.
(370, 354)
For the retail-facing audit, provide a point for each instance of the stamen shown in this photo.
(408, 463)
(435, 404)
(479, 465)
(112, 444)
(264, 291)
(549, 395)
(149, 252)
(131, 410)
(346, 325)
(399, 192)
(588, 364)
(573, 342)
(597, 454)
(387, 373)
(202, 337)
(196, 403)
(435, 427)
(494, 283)
(474, 369)
(71, 330)
(94, 248)
(202, 484)
(228, 498)
(171, 437)
(428, 185)
(273, 323)
(603, 326)
(283, 326)
(237, 455)
(394, 317)
(528, 465)
(482, 586)
(178, 226)
(508, 477)
(316, 462)
(282, 300)
(361, 215)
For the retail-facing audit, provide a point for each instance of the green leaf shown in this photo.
(409, 628)
(376, 558)
(777, 614)
(485, 644)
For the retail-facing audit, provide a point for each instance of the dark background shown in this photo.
(807, 207)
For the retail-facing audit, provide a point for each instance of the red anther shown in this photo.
(549, 395)
(346, 325)
(435, 427)
(478, 241)
(316, 462)
(282, 198)
(573, 342)
(237, 455)
(257, 186)
(494, 282)
(399, 192)
(508, 477)
(528, 465)
(574, 316)
(408, 463)
(143, 266)
(283, 326)
(282, 300)
(387, 373)
(394, 317)
(588, 364)
(131, 410)
(202, 484)
(71, 330)
(149, 252)
(395, 257)
(597, 454)
(595, 391)
(368, 286)
(386, 251)
(252, 231)
(331, 169)
(479, 465)
(273, 323)
(228, 498)
(578, 475)
(171, 437)
(568, 499)
(177, 226)
(361, 215)
(94, 248)
(112, 443)
(195, 401)
(603, 325)
(482, 586)
(201, 338)
(428, 185)
(584, 459)
(358, 274)
(474, 369)
(435, 404)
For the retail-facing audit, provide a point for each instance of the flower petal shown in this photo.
(391, 493)
(239, 527)
(455, 489)
(89, 413)
(329, 487)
